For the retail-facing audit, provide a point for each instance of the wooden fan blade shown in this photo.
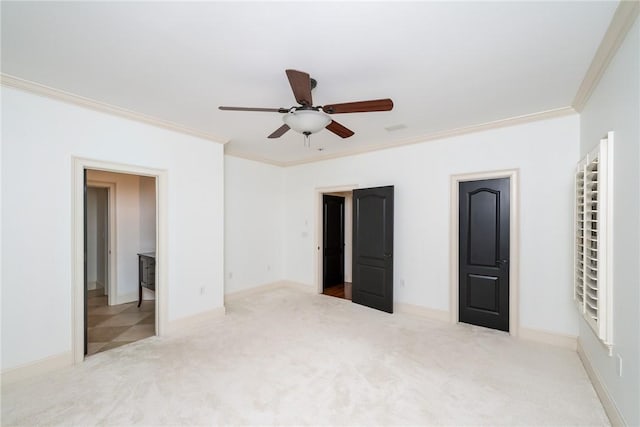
(339, 130)
(279, 132)
(266, 110)
(359, 107)
(301, 85)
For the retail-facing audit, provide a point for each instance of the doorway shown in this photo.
(368, 253)
(484, 263)
(334, 225)
(98, 239)
(101, 238)
(116, 315)
(122, 282)
(484, 253)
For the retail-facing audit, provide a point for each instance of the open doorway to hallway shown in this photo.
(120, 231)
(368, 225)
(336, 244)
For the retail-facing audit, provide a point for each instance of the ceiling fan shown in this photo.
(307, 118)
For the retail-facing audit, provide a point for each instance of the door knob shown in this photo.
(387, 255)
(502, 261)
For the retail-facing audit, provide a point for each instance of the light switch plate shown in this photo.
(619, 363)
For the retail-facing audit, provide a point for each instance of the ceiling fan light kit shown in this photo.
(307, 119)
(306, 122)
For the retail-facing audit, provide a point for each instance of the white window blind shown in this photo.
(593, 231)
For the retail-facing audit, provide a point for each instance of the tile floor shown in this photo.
(113, 326)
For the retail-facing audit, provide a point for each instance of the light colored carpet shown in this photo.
(289, 357)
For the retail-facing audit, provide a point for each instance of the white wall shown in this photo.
(545, 152)
(254, 224)
(615, 106)
(40, 137)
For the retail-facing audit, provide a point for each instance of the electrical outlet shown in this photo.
(402, 283)
(202, 290)
(268, 268)
(230, 275)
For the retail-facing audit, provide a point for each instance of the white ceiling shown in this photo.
(446, 65)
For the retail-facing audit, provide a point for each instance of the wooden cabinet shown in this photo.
(146, 273)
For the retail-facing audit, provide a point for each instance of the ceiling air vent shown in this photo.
(394, 128)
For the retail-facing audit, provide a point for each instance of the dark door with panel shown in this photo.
(484, 253)
(333, 241)
(373, 248)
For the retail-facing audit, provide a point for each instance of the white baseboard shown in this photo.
(191, 321)
(417, 310)
(545, 337)
(125, 298)
(99, 284)
(299, 286)
(610, 408)
(194, 320)
(39, 367)
(92, 285)
(231, 296)
(148, 294)
(552, 338)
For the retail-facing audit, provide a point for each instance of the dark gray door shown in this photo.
(333, 241)
(373, 248)
(484, 253)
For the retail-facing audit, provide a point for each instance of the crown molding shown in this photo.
(59, 95)
(621, 23)
(512, 121)
(42, 90)
(230, 151)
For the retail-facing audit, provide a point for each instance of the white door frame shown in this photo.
(320, 191)
(112, 243)
(514, 243)
(77, 296)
